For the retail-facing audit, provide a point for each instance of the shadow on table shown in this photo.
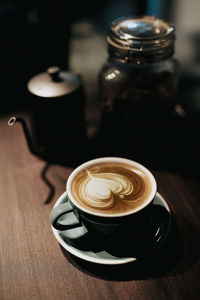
(48, 183)
(177, 255)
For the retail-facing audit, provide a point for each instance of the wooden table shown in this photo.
(34, 266)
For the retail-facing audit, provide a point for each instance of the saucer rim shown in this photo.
(105, 261)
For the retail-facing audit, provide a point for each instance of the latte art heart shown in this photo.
(99, 189)
(111, 188)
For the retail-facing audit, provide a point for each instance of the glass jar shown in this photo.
(138, 82)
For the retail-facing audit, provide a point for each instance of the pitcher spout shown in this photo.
(27, 134)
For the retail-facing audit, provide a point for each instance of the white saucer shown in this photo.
(103, 257)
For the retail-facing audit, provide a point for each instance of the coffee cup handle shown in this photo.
(63, 217)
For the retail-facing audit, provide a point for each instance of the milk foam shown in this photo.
(99, 189)
(111, 188)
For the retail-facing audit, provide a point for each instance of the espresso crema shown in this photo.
(111, 188)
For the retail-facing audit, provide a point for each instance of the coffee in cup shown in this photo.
(111, 187)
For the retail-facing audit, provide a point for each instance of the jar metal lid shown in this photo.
(145, 36)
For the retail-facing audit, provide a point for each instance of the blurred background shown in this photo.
(38, 34)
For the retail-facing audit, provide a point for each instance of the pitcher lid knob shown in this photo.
(53, 72)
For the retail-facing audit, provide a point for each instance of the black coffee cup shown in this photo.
(111, 228)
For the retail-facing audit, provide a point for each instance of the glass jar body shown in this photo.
(133, 94)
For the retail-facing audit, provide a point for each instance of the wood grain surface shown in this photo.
(34, 266)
